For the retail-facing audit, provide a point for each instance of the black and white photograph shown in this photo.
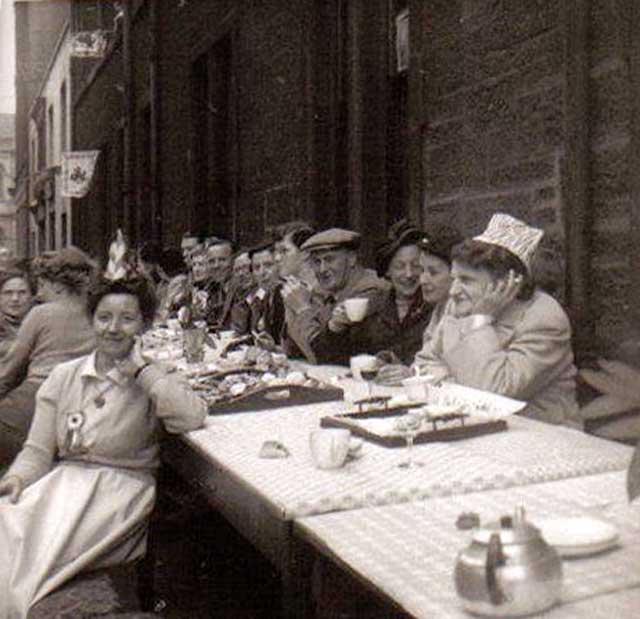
(319, 309)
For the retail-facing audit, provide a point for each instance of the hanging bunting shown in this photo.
(89, 44)
(77, 172)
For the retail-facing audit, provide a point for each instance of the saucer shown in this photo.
(578, 536)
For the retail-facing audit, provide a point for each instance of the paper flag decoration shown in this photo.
(117, 267)
(89, 44)
(77, 172)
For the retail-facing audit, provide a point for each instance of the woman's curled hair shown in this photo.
(495, 259)
(70, 267)
(138, 286)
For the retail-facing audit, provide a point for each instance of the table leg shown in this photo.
(296, 581)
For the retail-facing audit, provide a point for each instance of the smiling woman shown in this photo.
(94, 434)
(499, 333)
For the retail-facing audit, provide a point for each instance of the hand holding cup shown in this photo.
(356, 308)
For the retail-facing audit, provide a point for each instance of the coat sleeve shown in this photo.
(176, 404)
(538, 351)
(36, 458)
(429, 359)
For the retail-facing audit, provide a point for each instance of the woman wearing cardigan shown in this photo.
(53, 332)
(79, 494)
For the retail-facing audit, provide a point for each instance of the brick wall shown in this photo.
(269, 111)
(495, 81)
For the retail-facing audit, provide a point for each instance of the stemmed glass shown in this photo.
(409, 425)
(369, 374)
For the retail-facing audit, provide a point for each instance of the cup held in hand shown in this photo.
(329, 447)
(356, 308)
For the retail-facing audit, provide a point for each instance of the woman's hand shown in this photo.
(499, 295)
(393, 373)
(11, 485)
(130, 365)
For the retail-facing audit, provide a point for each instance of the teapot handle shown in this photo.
(495, 558)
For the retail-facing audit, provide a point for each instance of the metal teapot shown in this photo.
(508, 570)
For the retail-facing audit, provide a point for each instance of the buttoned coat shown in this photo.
(525, 354)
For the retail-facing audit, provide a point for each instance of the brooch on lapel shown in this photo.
(73, 441)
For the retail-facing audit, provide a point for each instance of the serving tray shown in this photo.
(442, 430)
(276, 396)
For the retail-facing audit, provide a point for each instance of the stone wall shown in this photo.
(495, 90)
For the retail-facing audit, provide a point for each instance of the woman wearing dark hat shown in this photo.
(436, 267)
(53, 332)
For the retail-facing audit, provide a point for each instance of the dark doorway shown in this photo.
(211, 107)
(397, 163)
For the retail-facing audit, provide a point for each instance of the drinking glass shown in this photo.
(193, 344)
(368, 376)
(409, 425)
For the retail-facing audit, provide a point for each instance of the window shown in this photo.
(64, 239)
(50, 137)
(52, 227)
(63, 117)
(41, 156)
(211, 87)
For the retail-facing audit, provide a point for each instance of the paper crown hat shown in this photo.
(512, 234)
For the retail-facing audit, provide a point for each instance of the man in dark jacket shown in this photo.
(311, 312)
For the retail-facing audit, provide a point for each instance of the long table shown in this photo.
(407, 552)
(261, 498)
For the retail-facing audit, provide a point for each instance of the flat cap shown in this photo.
(331, 239)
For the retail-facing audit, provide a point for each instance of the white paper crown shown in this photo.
(514, 235)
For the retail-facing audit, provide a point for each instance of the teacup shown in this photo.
(356, 308)
(329, 447)
(363, 363)
(417, 387)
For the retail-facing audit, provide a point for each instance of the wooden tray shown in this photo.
(279, 396)
(447, 431)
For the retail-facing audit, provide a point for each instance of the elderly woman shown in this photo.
(55, 331)
(500, 333)
(94, 438)
(16, 298)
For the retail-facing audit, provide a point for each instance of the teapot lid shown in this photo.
(514, 529)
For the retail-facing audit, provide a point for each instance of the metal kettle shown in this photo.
(508, 570)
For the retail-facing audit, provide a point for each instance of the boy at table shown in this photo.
(499, 333)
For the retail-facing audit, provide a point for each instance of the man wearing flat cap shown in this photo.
(311, 312)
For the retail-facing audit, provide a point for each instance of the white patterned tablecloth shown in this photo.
(529, 452)
(409, 551)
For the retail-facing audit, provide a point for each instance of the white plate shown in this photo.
(475, 402)
(578, 536)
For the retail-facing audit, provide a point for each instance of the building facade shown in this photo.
(7, 184)
(39, 32)
(229, 117)
(49, 223)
